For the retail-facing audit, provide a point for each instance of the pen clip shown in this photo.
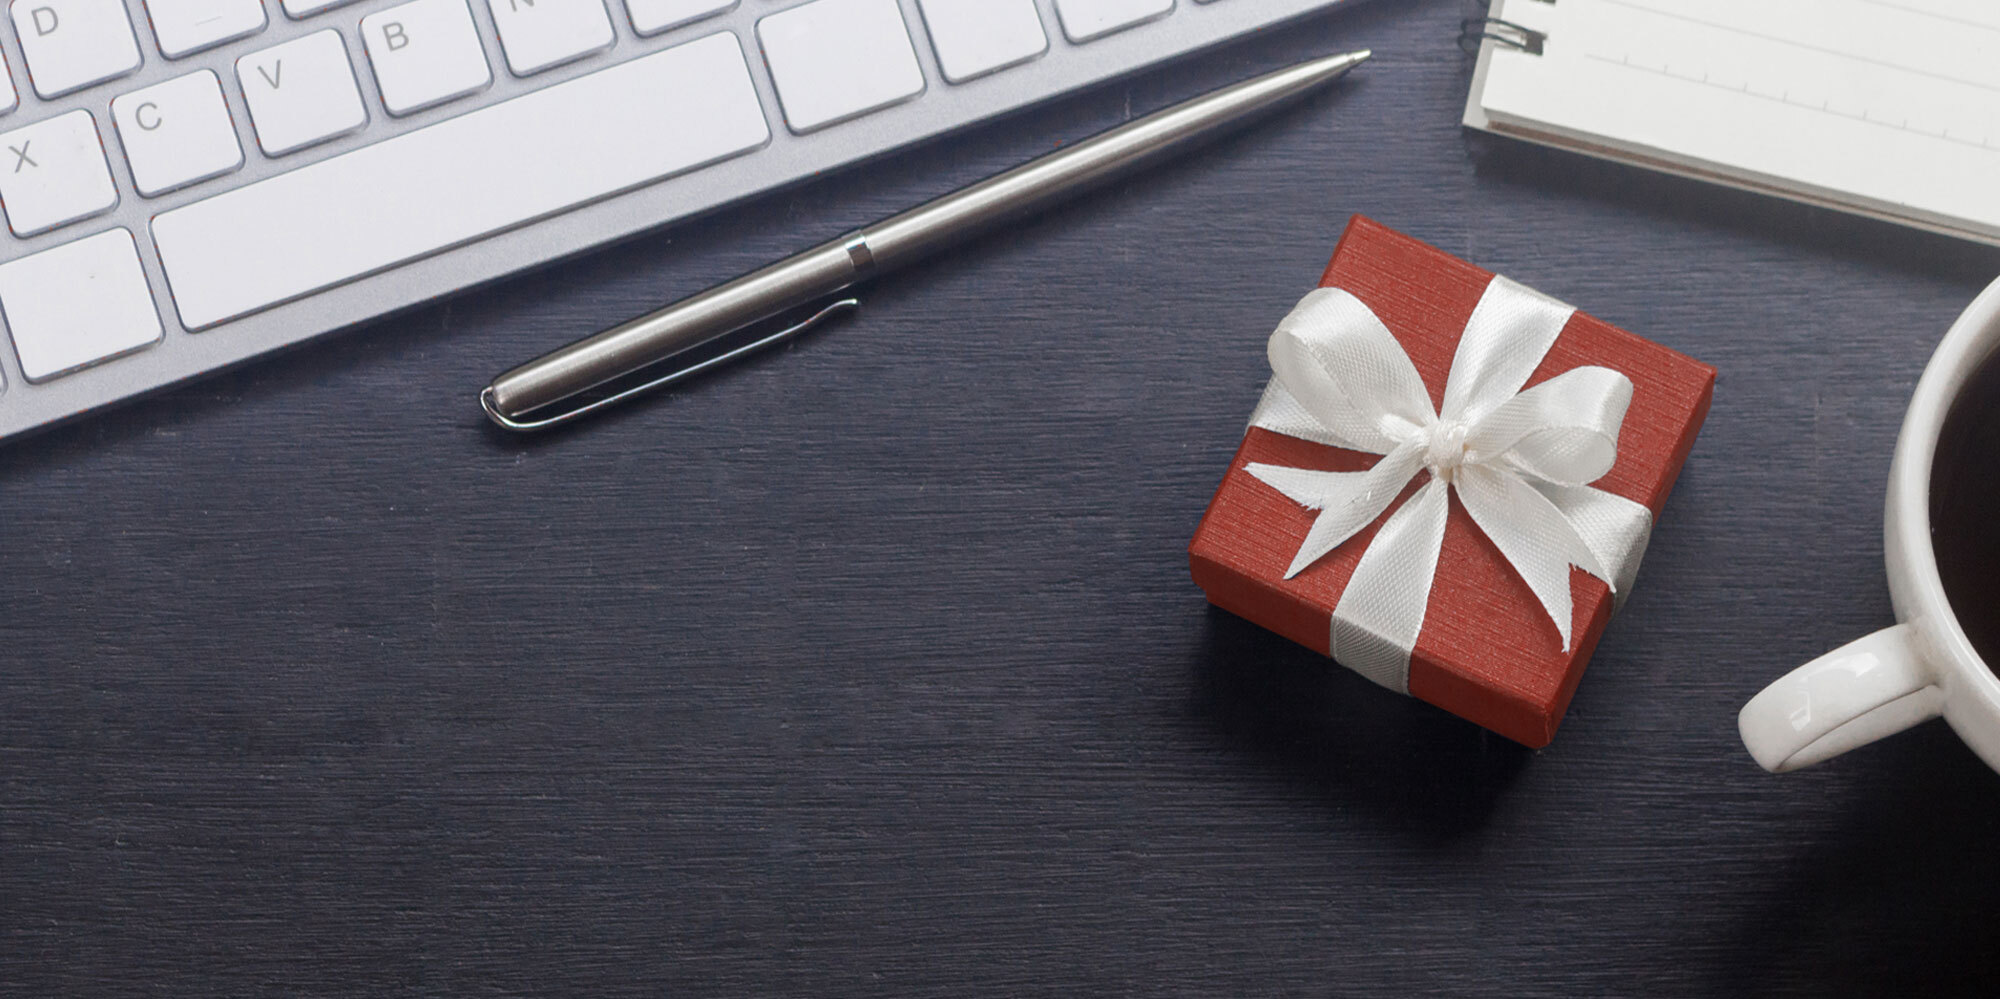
(803, 326)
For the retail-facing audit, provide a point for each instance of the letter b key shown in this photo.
(425, 53)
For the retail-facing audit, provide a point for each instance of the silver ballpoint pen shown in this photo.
(526, 398)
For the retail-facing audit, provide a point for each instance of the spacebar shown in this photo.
(471, 176)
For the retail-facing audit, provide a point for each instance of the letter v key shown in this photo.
(301, 92)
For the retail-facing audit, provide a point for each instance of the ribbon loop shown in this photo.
(1520, 459)
(1511, 330)
(1346, 370)
(1563, 430)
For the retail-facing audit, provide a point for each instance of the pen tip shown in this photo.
(1334, 67)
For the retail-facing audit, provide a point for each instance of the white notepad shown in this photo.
(1889, 108)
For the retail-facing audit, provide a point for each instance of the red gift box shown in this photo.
(1487, 651)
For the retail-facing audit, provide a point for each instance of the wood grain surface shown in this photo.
(874, 668)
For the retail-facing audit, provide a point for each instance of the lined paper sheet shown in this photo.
(1888, 107)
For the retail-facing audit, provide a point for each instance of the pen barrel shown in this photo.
(919, 232)
(1040, 183)
(684, 325)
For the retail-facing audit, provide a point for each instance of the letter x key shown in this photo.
(58, 174)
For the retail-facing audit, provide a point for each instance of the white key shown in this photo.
(71, 44)
(977, 37)
(53, 172)
(1083, 20)
(650, 17)
(837, 59)
(8, 99)
(301, 93)
(77, 304)
(425, 53)
(300, 9)
(177, 133)
(541, 34)
(443, 185)
(185, 27)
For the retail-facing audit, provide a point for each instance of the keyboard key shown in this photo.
(838, 59)
(1083, 20)
(53, 173)
(650, 17)
(177, 133)
(301, 93)
(977, 37)
(8, 99)
(301, 9)
(543, 34)
(463, 178)
(185, 27)
(425, 53)
(71, 44)
(77, 304)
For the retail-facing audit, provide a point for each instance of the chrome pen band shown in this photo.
(860, 255)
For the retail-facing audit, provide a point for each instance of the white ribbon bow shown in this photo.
(1520, 460)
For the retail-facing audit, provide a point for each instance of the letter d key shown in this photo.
(73, 44)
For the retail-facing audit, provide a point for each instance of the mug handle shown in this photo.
(1858, 693)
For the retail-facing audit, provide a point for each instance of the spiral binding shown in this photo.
(1474, 30)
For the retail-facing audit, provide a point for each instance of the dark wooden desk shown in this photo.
(874, 668)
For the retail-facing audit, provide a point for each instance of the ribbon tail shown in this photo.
(1375, 625)
(1615, 528)
(1532, 535)
(1347, 501)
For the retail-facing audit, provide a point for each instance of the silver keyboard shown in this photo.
(190, 183)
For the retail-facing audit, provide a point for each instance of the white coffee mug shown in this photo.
(1922, 666)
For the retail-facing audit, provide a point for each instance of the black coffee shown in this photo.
(1965, 509)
